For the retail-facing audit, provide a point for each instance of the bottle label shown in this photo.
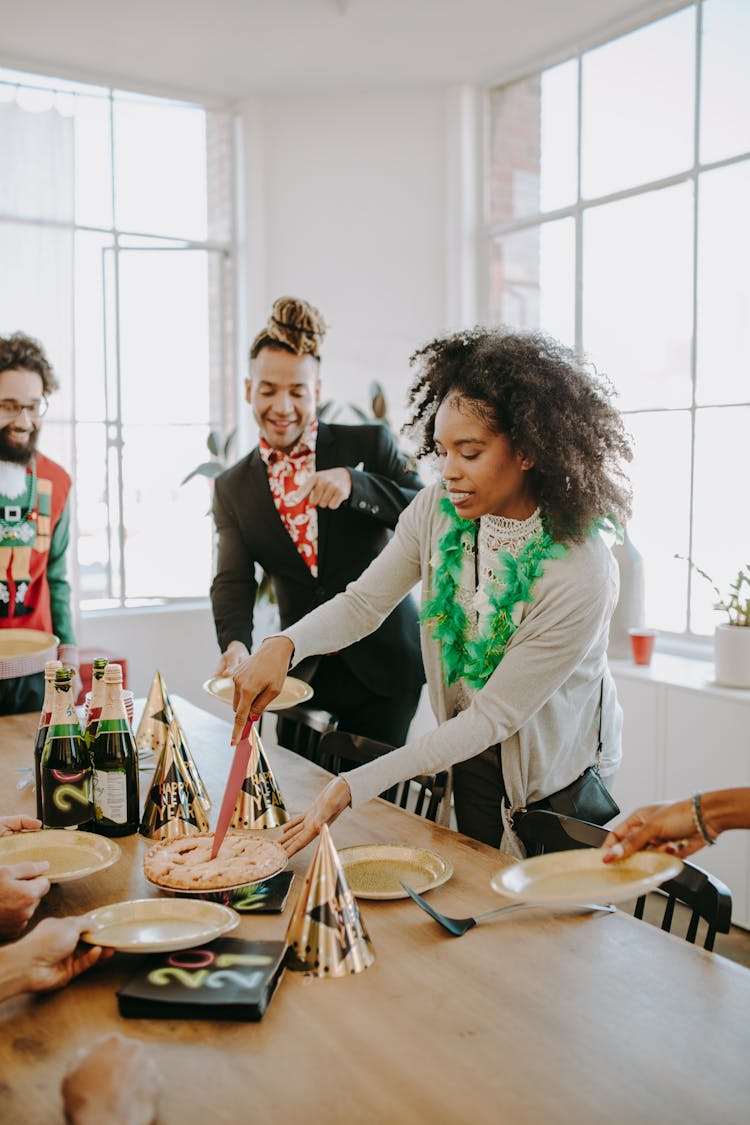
(63, 730)
(66, 798)
(111, 796)
(114, 726)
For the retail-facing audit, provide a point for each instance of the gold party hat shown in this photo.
(326, 935)
(259, 804)
(152, 729)
(173, 807)
(180, 741)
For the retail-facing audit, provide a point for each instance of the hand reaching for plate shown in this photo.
(20, 823)
(22, 887)
(234, 655)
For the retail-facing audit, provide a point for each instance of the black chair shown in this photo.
(301, 728)
(422, 795)
(708, 899)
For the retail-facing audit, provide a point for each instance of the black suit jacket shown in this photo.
(251, 531)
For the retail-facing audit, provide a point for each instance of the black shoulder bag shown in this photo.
(586, 798)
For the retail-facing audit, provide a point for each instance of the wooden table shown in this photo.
(535, 1018)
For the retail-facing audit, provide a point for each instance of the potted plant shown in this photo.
(732, 637)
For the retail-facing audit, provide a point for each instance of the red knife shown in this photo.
(234, 784)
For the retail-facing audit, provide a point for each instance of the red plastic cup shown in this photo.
(642, 645)
(127, 698)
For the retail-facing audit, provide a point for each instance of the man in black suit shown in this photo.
(313, 504)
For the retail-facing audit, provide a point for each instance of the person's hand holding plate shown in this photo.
(258, 681)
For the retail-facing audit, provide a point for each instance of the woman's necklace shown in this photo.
(475, 660)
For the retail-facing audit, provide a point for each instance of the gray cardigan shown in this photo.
(542, 700)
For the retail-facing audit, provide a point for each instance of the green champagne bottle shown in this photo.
(45, 717)
(96, 700)
(65, 766)
(115, 763)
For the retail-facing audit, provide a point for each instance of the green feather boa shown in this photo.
(475, 661)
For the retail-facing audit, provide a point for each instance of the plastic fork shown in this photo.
(459, 926)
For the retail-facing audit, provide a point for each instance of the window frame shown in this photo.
(226, 250)
(687, 641)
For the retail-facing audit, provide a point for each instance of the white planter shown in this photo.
(732, 655)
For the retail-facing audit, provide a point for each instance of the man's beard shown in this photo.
(18, 454)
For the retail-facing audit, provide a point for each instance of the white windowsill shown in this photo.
(199, 605)
(679, 671)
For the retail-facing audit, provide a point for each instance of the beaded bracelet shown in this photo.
(699, 822)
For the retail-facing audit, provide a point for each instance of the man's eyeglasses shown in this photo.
(10, 409)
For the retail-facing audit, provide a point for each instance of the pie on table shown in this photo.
(185, 863)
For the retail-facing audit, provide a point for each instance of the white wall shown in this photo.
(178, 640)
(350, 211)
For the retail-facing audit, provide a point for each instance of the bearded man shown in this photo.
(34, 526)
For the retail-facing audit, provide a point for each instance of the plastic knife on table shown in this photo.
(234, 784)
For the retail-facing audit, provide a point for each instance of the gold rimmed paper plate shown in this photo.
(70, 854)
(377, 870)
(294, 691)
(158, 925)
(568, 878)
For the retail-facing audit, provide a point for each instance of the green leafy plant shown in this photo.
(733, 601)
(329, 410)
(219, 451)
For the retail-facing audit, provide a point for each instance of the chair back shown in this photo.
(300, 728)
(705, 896)
(338, 750)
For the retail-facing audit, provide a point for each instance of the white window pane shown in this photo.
(723, 286)
(725, 79)
(36, 142)
(93, 162)
(721, 543)
(533, 131)
(660, 526)
(164, 335)
(36, 298)
(559, 171)
(637, 112)
(532, 279)
(515, 143)
(168, 529)
(93, 513)
(93, 257)
(637, 296)
(160, 168)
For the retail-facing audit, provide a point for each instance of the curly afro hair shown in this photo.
(552, 409)
(19, 352)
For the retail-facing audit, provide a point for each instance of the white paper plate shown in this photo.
(70, 854)
(568, 878)
(294, 691)
(375, 871)
(158, 925)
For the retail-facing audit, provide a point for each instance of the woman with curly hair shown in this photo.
(518, 586)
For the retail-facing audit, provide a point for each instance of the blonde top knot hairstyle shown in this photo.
(294, 325)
